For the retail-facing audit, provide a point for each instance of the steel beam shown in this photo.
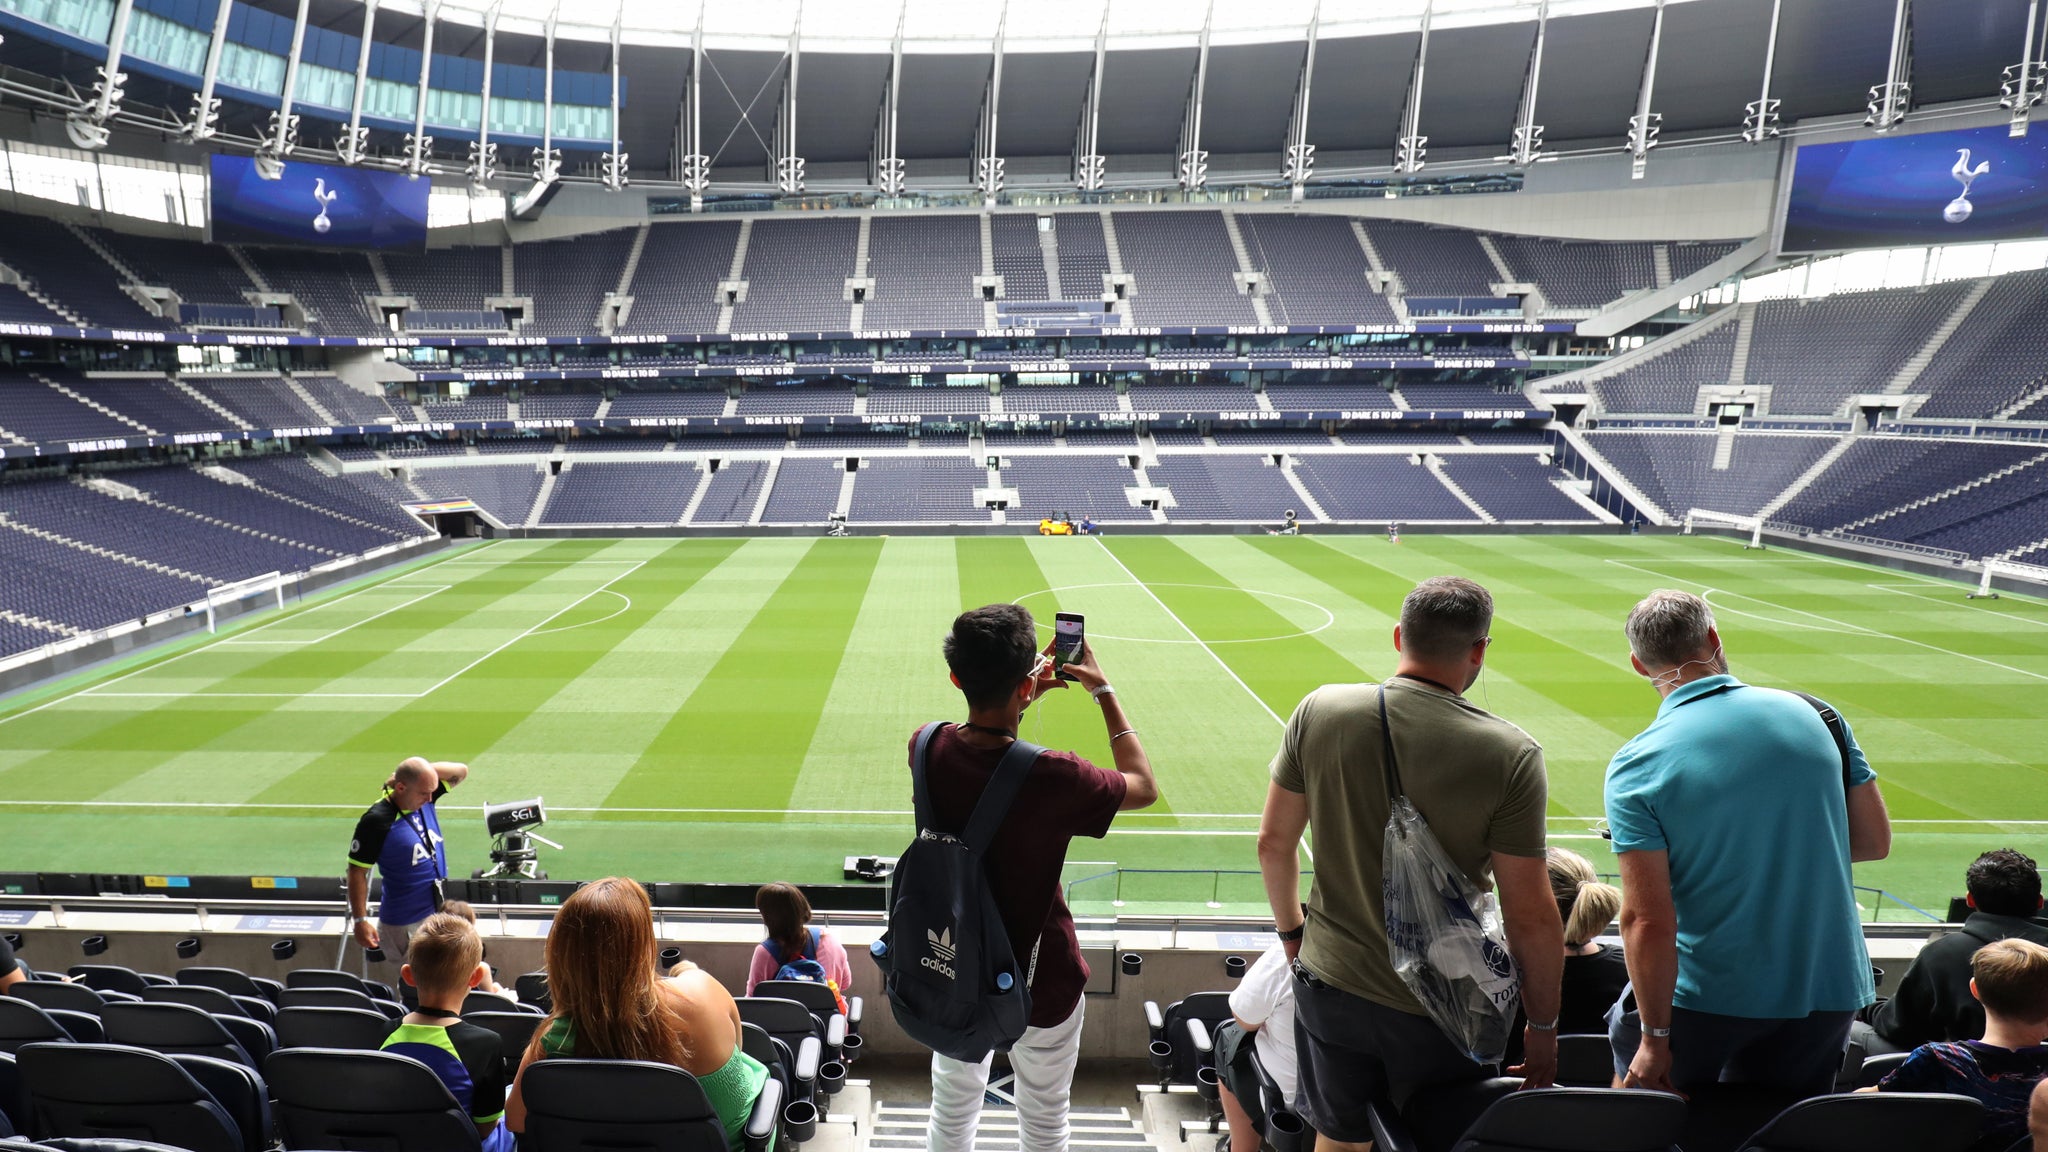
(1088, 159)
(1890, 100)
(615, 160)
(1412, 146)
(696, 166)
(205, 105)
(87, 125)
(483, 155)
(419, 147)
(2022, 83)
(1760, 118)
(547, 159)
(988, 162)
(885, 166)
(1299, 162)
(1643, 127)
(1527, 147)
(1193, 169)
(785, 167)
(284, 125)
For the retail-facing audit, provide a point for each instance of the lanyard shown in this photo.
(418, 821)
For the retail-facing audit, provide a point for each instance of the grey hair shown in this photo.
(1444, 617)
(1669, 627)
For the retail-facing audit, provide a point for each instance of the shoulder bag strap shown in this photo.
(1836, 728)
(920, 787)
(1002, 788)
(1393, 771)
(814, 944)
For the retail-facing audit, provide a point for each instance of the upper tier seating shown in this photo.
(1670, 383)
(330, 285)
(156, 403)
(1019, 258)
(1676, 468)
(1816, 353)
(33, 410)
(943, 401)
(1084, 256)
(1514, 487)
(917, 489)
(789, 400)
(17, 307)
(199, 273)
(65, 270)
(650, 492)
(568, 279)
(675, 286)
(1192, 398)
(1687, 259)
(1338, 397)
(1271, 437)
(1316, 268)
(573, 406)
(924, 270)
(348, 405)
(1577, 274)
(796, 274)
(1450, 396)
(264, 402)
(698, 402)
(1378, 488)
(1433, 261)
(1059, 398)
(450, 279)
(1995, 356)
(1182, 264)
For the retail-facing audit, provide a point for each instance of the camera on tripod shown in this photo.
(513, 855)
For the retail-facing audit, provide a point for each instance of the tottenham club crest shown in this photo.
(1959, 209)
(320, 193)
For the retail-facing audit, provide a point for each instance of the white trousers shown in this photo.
(1043, 1060)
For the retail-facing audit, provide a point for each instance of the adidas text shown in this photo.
(941, 969)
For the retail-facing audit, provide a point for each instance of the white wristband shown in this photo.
(1101, 690)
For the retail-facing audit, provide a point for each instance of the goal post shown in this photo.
(1996, 568)
(270, 583)
(1754, 525)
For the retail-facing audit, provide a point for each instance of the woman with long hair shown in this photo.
(610, 1005)
(787, 917)
(1594, 973)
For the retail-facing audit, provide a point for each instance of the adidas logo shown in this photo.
(942, 949)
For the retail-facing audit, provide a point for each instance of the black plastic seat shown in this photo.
(83, 1027)
(48, 994)
(209, 1000)
(1877, 1122)
(631, 1106)
(797, 1075)
(533, 989)
(1285, 1129)
(255, 1037)
(352, 1028)
(338, 998)
(1875, 1068)
(174, 1030)
(107, 1090)
(109, 978)
(817, 997)
(336, 978)
(1585, 1061)
(789, 1022)
(13, 1102)
(322, 1095)
(492, 1002)
(1492, 1116)
(1187, 1048)
(515, 1031)
(232, 981)
(86, 1144)
(23, 1023)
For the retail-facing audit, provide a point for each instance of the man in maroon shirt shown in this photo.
(994, 656)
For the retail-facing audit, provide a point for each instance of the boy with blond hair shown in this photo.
(444, 962)
(2010, 979)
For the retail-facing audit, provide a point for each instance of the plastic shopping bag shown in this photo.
(1444, 936)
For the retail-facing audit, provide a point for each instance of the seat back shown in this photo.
(57, 994)
(353, 1028)
(1875, 1068)
(533, 989)
(773, 1055)
(785, 1020)
(492, 1002)
(617, 1106)
(1212, 1008)
(322, 1095)
(1577, 1120)
(816, 997)
(515, 1031)
(23, 1023)
(325, 978)
(13, 1102)
(232, 981)
(83, 1027)
(337, 998)
(255, 1037)
(1585, 1061)
(172, 1029)
(212, 1001)
(109, 978)
(1878, 1122)
(107, 1090)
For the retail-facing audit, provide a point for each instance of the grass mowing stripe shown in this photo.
(760, 704)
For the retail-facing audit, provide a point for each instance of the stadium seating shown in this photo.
(806, 491)
(1814, 354)
(1676, 468)
(447, 279)
(331, 286)
(64, 269)
(704, 402)
(1019, 258)
(924, 270)
(199, 273)
(914, 489)
(1575, 274)
(796, 274)
(622, 493)
(1224, 488)
(1514, 488)
(321, 1095)
(1182, 265)
(633, 1104)
(1687, 259)
(675, 287)
(568, 280)
(1379, 488)
(35, 410)
(1670, 381)
(1083, 253)
(1995, 356)
(1433, 261)
(261, 401)
(1316, 269)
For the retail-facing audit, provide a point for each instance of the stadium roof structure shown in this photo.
(783, 96)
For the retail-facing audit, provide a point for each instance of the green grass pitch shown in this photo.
(738, 710)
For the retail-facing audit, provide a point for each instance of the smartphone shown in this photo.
(1068, 635)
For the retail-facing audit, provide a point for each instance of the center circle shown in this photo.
(1329, 617)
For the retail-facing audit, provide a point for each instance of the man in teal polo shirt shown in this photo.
(1735, 821)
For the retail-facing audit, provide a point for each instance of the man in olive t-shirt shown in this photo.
(1479, 781)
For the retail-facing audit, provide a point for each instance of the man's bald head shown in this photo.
(412, 783)
(414, 770)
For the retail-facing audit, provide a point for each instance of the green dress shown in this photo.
(732, 1089)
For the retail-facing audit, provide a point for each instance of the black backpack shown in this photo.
(948, 967)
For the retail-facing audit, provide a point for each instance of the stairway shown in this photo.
(95, 405)
(2013, 409)
(59, 631)
(1435, 465)
(1660, 260)
(1807, 477)
(1301, 492)
(2029, 462)
(1738, 363)
(547, 489)
(697, 496)
(1724, 448)
(1372, 254)
(199, 397)
(1049, 246)
(739, 264)
(903, 1126)
(988, 268)
(29, 290)
(625, 287)
(381, 274)
(846, 480)
(767, 487)
(1116, 264)
(249, 268)
(1246, 264)
(1500, 265)
(507, 283)
(319, 409)
(1909, 372)
(117, 557)
(101, 251)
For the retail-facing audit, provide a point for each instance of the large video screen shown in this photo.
(1962, 187)
(316, 205)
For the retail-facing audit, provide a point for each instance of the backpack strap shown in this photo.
(774, 950)
(996, 798)
(1836, 728)
(920, 788)
(1392, 771)
(813, 953)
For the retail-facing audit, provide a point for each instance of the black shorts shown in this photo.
(1353, 1051)
(1233, 1046)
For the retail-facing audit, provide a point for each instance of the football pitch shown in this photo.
(738, 710)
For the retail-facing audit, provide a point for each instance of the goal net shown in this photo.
(1754, 525)
(269, 585)
(2033, 573)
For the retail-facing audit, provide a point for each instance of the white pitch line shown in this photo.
(1203, 644)
(251, 695)
(1913, 591)
(241, 641)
